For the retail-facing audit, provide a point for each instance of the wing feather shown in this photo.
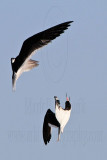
(39, 40)
(49, 119)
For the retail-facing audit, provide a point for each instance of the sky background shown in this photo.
(75, 62)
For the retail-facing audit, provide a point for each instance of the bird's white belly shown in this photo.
(62, 116)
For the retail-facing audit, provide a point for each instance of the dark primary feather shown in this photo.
(39, 40)
(49, 118)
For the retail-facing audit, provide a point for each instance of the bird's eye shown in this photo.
(13, 60)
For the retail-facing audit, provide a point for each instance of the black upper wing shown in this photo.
(49, 118)
(39, 40)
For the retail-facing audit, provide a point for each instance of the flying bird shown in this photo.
(58, 119)
(22, 62)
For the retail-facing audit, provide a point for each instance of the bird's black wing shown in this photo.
(40, 39)
(49, 119)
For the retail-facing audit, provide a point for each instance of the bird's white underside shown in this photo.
(62, 116)
(23, 68)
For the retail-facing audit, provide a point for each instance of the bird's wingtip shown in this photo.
(70, 22)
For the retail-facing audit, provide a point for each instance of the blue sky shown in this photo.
(75, 63)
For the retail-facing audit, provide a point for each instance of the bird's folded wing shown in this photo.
(49, 120)
(46, 127)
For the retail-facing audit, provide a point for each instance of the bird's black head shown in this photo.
(14, 73)
(12, 62)
(67, 103)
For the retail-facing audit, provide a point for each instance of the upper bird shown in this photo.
(23, 62)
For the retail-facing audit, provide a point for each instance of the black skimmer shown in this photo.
(22, 62)
(58, 119)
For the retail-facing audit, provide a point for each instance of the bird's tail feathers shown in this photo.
(59, 133)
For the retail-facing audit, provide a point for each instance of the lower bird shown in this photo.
(22, 62)
(58, 119)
